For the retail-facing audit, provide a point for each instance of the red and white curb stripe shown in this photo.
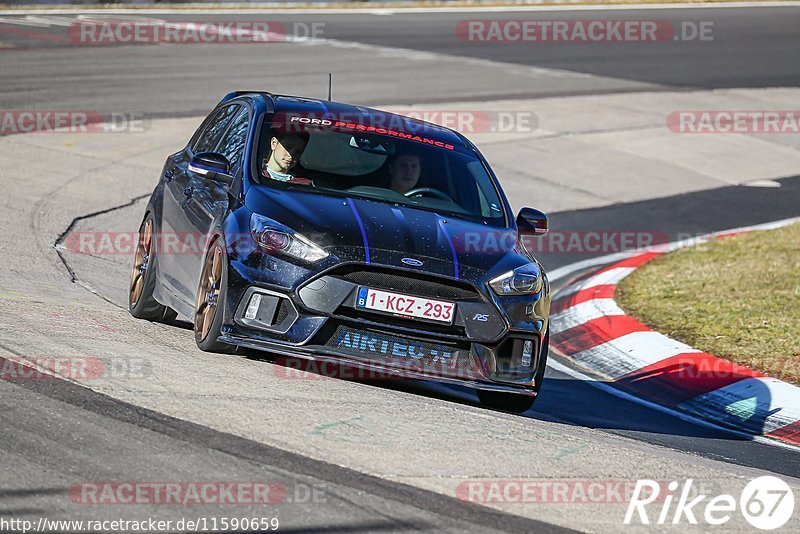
(593, 333)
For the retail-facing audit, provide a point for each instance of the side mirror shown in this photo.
(532, 222)
(213, 166)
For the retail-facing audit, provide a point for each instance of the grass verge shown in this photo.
(736, 298)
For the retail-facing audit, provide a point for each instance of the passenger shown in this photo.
(404, 170)
(286, 150)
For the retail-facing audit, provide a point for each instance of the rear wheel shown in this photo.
(141, 303)
(507, 402)
(210, 299)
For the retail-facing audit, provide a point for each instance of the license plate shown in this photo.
(440, 311)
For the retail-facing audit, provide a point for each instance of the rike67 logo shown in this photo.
(766, 503)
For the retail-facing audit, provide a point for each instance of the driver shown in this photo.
(286, 150)
(404, 170)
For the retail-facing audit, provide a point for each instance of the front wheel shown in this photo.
(210, 300)
(507, 402)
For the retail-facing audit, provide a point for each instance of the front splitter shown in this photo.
(322, 355)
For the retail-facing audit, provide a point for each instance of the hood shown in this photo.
(378, 233)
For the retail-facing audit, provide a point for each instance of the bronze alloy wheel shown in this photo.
(141, 262)
(205, 309)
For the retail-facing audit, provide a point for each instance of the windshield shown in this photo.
(380, 167)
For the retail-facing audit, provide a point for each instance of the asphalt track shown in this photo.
(755, 47)
(55, 432)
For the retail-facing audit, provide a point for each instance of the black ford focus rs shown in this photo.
(339, 233)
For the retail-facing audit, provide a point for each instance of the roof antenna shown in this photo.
(330, 82)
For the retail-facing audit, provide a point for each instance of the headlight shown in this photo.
(523, 280)
(276, 238)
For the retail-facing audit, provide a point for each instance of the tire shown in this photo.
(507, 402)
(141, 303)
(210, 300)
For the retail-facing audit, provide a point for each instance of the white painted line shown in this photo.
(582, 313)
(629, 353)
(23, 22)
(50, 21)
(762, 183)
(113, 18)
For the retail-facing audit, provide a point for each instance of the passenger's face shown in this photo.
(286, 153)
(404, 173)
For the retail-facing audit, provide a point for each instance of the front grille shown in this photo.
(409, 283)
(409, 354)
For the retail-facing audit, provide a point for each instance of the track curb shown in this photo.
(595, 334)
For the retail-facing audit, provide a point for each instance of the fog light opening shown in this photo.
(516, 357)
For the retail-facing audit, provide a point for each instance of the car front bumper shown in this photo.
(490, 345)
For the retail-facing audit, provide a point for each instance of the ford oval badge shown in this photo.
(412, 262)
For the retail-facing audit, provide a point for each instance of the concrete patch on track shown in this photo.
(49, 179)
